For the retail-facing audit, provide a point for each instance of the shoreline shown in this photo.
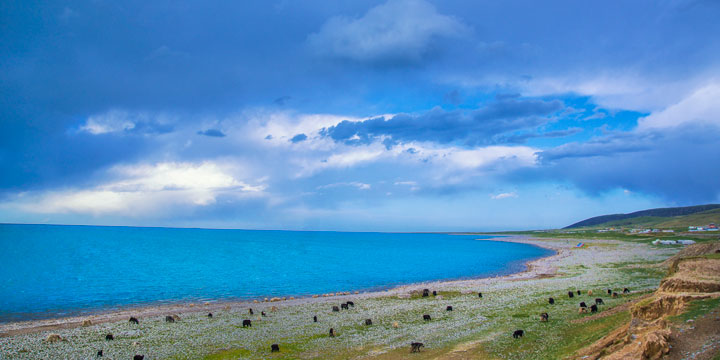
(535, 268)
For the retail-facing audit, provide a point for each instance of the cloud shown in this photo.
(521, 138)
(480, 126)
(125, 122)
(507, 195)
(358, 185)
(675, 164)
(298, 138)
(212, 133)
(412, 184)
(603, 146)
(398, 31)
(142, 190)
(702, 106)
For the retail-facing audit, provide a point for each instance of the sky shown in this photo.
(397, 115)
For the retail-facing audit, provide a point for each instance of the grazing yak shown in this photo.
(274, 348)
(518, 334)
(614, 295)
(583, 305)
(250, 311)
(609, 291)
(589, 292)
(551, 301)
(332, 332)
(544, 317)
(344, 306)
(99, 353)
(599, 301)
(415, 347)
(480, 295)
(109, 337)
(579, 293)
(138, 357)
(426, 293)
(426, 317)
(134, 320)
(368, 322)
(571, 294)
(263, 313)
(210, 315)
(335, 308)
(351, 303)
(315, 318)
(593, 309)
(169, 319)
(434, 293)
(626, 291)
(247, 323)
(449, 308)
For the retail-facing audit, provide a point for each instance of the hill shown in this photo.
(662, 217)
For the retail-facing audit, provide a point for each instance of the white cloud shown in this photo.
(507, 195)
(359, 185)
(142, 190)
(117, 121)
(412, 184)
(111, 121)
(702, 106)
(341, 157)
(396, 30)
(284, 125)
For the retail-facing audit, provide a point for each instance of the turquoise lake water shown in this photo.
(50, 270)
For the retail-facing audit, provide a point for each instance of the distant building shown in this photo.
(672, 242)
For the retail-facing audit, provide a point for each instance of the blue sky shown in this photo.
(399, 115)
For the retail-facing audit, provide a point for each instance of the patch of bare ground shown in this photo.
(698, 340)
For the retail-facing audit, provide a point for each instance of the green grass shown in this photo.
(557, 338)
(696, 309)
(231, 354)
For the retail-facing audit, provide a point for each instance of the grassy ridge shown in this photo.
(674, 217)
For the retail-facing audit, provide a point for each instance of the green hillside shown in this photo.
(681, 217)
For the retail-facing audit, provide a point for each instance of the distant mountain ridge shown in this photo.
(655, 213)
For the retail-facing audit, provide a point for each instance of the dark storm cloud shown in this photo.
(679, 164)
(477, 127)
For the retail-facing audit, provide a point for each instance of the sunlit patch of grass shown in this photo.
(230, 354)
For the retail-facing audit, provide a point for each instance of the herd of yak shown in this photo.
(415, 346)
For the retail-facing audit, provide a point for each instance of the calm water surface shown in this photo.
(59, 270)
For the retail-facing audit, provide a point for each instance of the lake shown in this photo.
(58, 270)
